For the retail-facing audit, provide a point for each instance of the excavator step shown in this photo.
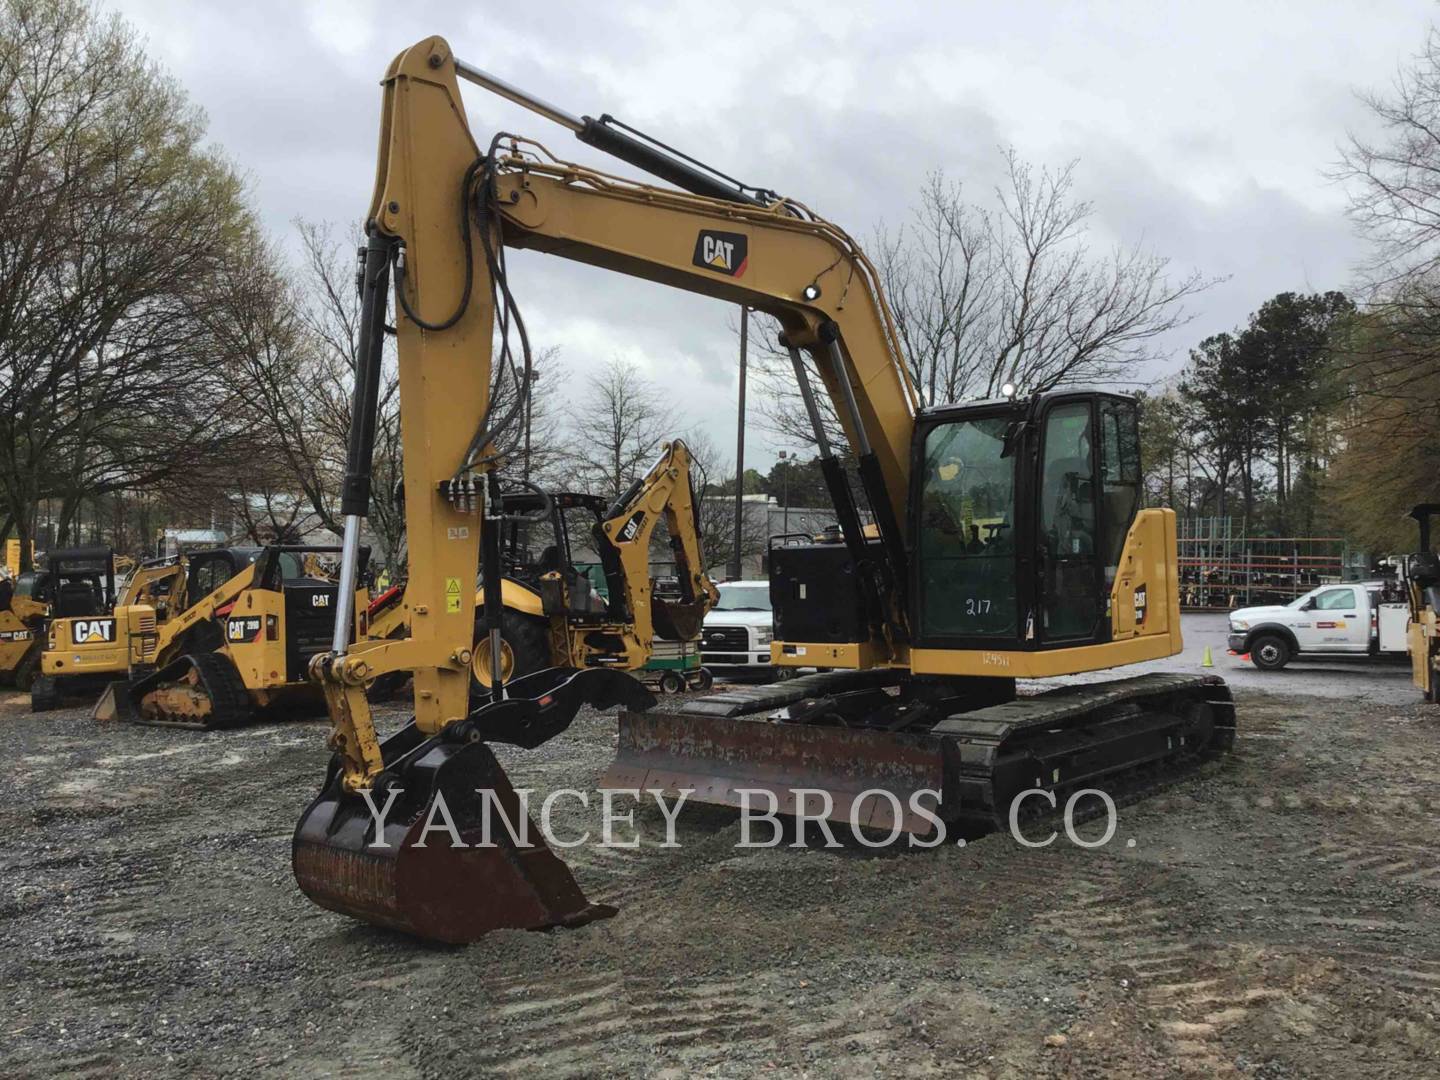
(967, 768)
(457, 855)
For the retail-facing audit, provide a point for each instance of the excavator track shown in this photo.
(198, 692)
(1123, 737)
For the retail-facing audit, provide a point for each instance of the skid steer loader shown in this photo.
(212, 640)
(76, 582)
(922, 633)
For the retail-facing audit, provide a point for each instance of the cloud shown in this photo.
(1203, 130)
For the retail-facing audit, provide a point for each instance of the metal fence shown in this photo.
(1221, 569)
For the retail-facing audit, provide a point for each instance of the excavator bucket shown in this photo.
(458, 855)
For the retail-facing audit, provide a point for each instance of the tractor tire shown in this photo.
(44, 694)
(1270, 652)
(525, 645)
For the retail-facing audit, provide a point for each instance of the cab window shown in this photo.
(1071, 603)
(1120, 478)
(1335, 600)
(966, 537)
(207, 577)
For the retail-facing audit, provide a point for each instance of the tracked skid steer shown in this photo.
(209, 642)
(1007, 547)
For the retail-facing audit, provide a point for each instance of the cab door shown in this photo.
(1072, 599)
(1339, 621)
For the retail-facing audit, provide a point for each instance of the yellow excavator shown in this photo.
(206, 641)
(921, 634)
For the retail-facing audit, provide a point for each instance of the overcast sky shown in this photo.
(1204, 130)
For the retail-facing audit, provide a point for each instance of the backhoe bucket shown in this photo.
(458, 855)
(677, 621)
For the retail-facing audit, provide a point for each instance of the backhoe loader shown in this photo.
(210, 640)
(553, 616)
(74, 582)
(922, 635)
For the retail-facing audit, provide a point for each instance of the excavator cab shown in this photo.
(1021, 513)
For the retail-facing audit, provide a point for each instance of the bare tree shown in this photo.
(1395, 181)
(1007, 293)
(617, 429)
(295, 342)
(541, 456)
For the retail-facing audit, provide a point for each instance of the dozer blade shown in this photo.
(727, 761)
(413, 875)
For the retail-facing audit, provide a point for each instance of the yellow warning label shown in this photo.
(452, 595)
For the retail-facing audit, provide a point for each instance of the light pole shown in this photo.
(785, 493)
(735, 565)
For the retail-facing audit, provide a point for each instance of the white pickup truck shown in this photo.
(1352, 619)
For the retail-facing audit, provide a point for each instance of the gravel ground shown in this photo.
(1275, 917)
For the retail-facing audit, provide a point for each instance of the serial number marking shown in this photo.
(995, 659)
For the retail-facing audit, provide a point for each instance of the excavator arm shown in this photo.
(443, 213)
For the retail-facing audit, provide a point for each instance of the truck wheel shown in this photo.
(672, 683)
(1269, 652)
(704, 680)
(524, 649)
